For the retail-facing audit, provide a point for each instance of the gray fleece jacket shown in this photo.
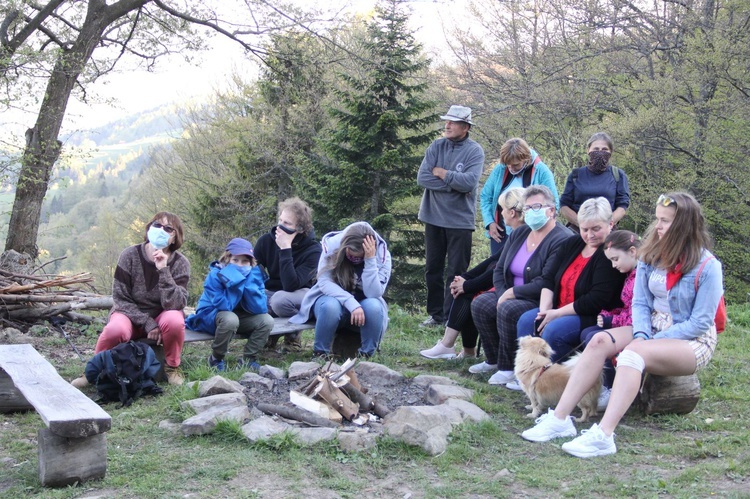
(451, 203)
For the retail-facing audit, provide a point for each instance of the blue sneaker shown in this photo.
(217, 364)
(249, 365)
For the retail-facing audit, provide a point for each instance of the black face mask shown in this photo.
(286, 229)
(598, 161)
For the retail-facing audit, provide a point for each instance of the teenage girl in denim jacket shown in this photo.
(673, 331)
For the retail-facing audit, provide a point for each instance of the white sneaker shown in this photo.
(549, 427)
(482, 367)
(603, 401)
(439, 351)
(502, 378)
(591, 443)
(514, 385)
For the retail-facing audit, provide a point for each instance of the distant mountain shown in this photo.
(163, 121)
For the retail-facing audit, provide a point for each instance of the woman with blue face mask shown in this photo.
(353, 273)
(526, 266)
(149, 293)
(234, 303)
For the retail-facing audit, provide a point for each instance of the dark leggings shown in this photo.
(459, 318)
(609, 369)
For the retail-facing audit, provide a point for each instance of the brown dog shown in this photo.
(544, 382)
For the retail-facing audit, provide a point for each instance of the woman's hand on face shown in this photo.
(160, 259)
(155, 334)
(494, 231)
(358, 317)
(369, 246)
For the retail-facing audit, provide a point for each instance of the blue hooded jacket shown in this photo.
(225, 289)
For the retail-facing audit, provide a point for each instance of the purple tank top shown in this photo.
(518, 264)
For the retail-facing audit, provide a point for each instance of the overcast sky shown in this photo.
(124, 92)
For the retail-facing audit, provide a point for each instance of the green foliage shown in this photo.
(369, 160)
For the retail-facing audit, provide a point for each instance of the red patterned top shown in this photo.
(569, 278)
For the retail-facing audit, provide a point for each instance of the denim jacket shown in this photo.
(692, 313)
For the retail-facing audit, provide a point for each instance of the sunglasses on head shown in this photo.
(665, 200)
(167, 228)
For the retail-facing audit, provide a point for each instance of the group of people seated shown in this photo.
(651, 305)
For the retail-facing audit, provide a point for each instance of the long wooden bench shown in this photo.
(281, 325)
(72, 446)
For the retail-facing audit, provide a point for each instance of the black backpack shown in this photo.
(124, 373)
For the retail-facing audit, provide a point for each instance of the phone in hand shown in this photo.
(537, 324)
(286, 229)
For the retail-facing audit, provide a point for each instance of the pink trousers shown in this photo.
(119, 329)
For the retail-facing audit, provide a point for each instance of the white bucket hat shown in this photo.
(458, 113)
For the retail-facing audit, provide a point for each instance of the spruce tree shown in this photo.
(382, 117)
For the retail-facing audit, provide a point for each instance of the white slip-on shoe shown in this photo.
(591, 443)
(514, 385)
(502, 378)
(439, 351)
(482, 367)
(549, 427)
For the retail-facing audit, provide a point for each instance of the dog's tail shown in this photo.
(572, 361)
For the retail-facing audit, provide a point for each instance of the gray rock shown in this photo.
(302, 370)
(356, 441)
(311, 436)
(219, 384)
(424, 426)
(379, 374)
(437, 394)
(262, 428)
(257, 381)
(205, 422)
(222, 400)
(425, 380)
(468, 410)
(271, 372)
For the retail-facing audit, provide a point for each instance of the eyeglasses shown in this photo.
(167, 228)
(535, 207)
(665, 200)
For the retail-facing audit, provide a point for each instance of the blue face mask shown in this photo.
(158, 238)
(536, 219)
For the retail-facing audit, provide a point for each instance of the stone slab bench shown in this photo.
(72, 446)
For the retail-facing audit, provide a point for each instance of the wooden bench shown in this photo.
(73, 446)
(281, 325)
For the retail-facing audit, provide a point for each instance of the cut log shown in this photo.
(354, 381)
(65, 461)
(338, 400)
(669, 394)
(381, 409)
(365, 402)
(296, 414)
(319, 408)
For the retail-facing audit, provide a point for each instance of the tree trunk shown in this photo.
(42, 144)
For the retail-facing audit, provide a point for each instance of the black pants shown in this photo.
(441, 245)
(459, 318)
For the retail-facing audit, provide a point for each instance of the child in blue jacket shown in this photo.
(234, 302)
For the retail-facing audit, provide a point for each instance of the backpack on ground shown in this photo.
(124, 373)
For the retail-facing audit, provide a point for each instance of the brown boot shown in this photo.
(292, 343)
(271, 343)
(80, 382)
(174, 375)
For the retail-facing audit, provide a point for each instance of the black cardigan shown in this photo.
(540, 269)
(597, 288)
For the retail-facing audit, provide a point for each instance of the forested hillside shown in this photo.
(343, 119)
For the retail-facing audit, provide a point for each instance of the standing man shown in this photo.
(449, 174)
(290, 256)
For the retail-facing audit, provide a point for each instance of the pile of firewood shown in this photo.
(28, 297)
(329, 397)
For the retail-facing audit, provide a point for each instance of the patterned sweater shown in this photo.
(622, 316)
(141, 292)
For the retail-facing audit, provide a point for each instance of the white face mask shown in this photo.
(158, 238)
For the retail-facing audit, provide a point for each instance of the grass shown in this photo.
(700, 454)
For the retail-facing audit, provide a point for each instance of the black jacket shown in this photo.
(288, 269)
(597, 288)
(540, 269)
